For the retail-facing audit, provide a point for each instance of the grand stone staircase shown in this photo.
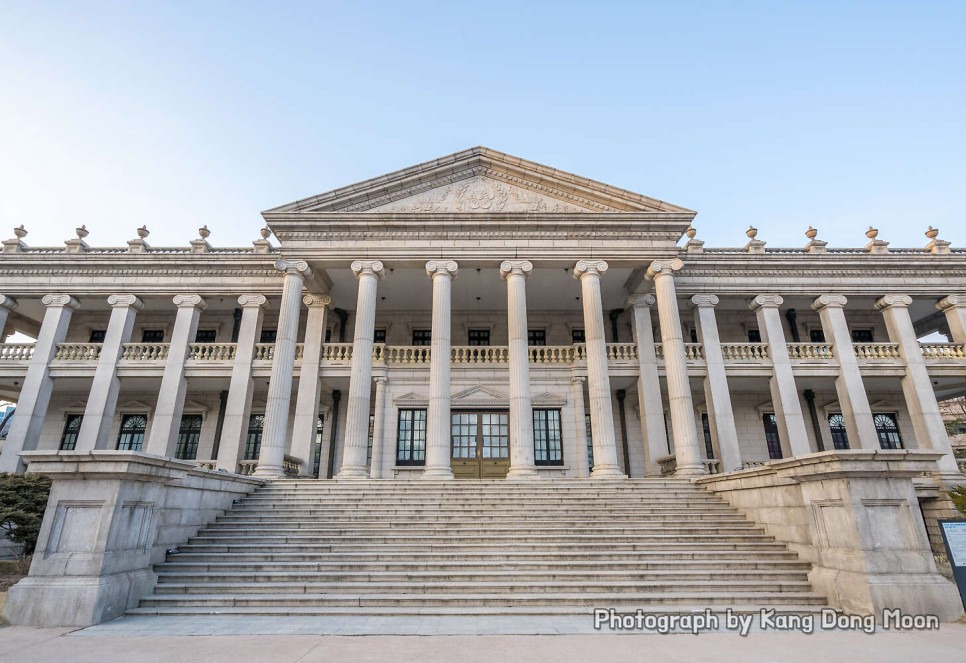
(478, 547)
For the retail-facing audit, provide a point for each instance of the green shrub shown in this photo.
(958, 496)
(23, 499)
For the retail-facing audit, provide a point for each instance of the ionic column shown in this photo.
(37, 384)
(687, 448)
(7, 304)
(717, 394)
(515, 273)
(310, 385)
(784, 394)
(369, 273)
(604, 440)
(163, 436)
(848, 383)
(580, 460)
(927, 422)
(648, 385)
(101, 401)
(442, 272)
(379, 441)
(954, 306)
(271, 457)
(240, 387)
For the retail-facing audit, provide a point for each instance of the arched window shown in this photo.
(253, 442)
(888, 430)
(131, 436)
(68, 440)
(840, 439)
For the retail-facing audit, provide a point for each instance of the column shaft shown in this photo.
(310, 384)
(649, 386)
(102, 400)
(442, 272)
(7, 304)
(954, 306)
(37, 384)
(379, 441)
(580, 461)
(515, 272)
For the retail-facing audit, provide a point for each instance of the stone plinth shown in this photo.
(110, 518)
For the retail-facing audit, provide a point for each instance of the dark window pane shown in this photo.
(547, 443)
(131, 436)
(188, 435)
(840, 438)
(577, 336)
(317, 453)
(478, 337)
(708, 444)
(72, 425)
(379, 336)
(267, 336)
(152, 336)
(816, 336)
(754, 336)
(887, 428)
(536, 337)
(862, 336)
(422, 336)
(771, 435)
(253, 441)
(328, 335)
(97, 336)
(205, 336)
(411, 439)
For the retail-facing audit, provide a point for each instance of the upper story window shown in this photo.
(378, 335)
(205, 336)
(328, 335)
(888, 430)
(422, 336)
(577, 336)
(754, 336)
(536, 337)
(97, 336)
(267, 336)
(131, 436)
(816, 336)
(478, 337)
(68, 440)
(152, 336)
(189, 433)
(253, 440)
(836, 424)
(862, 336)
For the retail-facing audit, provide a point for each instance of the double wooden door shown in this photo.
(480, 444)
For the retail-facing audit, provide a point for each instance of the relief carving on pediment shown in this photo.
(479, 194)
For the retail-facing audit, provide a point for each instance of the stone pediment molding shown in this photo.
(412, 399)
(478, 180)
(547, 399)
(480, 396)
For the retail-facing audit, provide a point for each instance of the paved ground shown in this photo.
(139, 641)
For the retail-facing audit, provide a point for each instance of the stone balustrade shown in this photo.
(621, 351)
(552, 354)
(693, 352)
(78, 351)
(744, 351)
(338, 352)
(406, 354)
(16, 351)
(712, 465)
(659, 350)
(290, 466)
(810, 351)
(473, 354)
(264, 352)
(877, 351)
(144, 351)
(211, 351)
(668, 465)
(943, 350)
(299, 350)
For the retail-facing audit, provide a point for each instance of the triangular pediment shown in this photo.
(480, 394)
(478, 180)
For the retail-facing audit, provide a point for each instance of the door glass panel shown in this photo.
(464, 428)
(496, 435)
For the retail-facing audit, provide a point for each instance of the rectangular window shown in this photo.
(577, 336)
(547, 443)
(378, 335)
(267, 336)
(328, 335)
(694, 335)
(97, 336)
(411, 441)
(754, 336)
(188, 435)
(317, 453)
(205, 336)
(862, 336)
(816, 336)
(836, 424)
(590, 442)
(372, 428)
(708, 444)
(68, 440)
(887, 428)
(131, 436)
(536, 337)
(771, 435)
(478, 337)
(253, 441)
(422, 336)
(152, 336)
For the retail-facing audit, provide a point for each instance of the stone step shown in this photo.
(470, 538)
(410, 529)
(594, 547)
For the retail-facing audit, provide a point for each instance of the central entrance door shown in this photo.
(480, 444)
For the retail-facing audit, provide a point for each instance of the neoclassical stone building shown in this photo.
(480, 315)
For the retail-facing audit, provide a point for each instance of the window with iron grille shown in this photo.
(708, 443)
(205, 336)
(253, 440)
(536, 337)
(862, 336)
(188, 435)
(152, 336)
(547, 442)
(411, 439)
(317, 454)
(478, 337)
(577, 336)
(771, 435)
(422, 336)
(72, 425)
(840, 438)
(590, 442)
(372, 428)
(887, 427)
(378, 335)
(131, 436)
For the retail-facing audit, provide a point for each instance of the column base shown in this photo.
(692, 471)
(353, 472)
(444, 473)
(522, 473)
(607, 472)
(269, 472)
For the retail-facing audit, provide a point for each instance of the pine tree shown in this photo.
(23, 500)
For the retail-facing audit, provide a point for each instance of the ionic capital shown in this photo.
(704, 301)
(640, 301)
(194, 301)
(297, 267)
(380, 379)
(65, 301)
(766, 301)
(578, 379)
(125, 301)
(519, 267)
(829, 301)
(8, 303)
(446, 268)
(952, 301)
(889, 301)
(368, 268)
(252, 300)
(589, 267)
(663, 268)
(316, 300)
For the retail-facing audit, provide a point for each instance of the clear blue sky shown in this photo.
(777, 114)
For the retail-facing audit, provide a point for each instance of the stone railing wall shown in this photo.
(744, 351)
(473, 354)
(943, 350)
(810, 351)
(877, 351)
(78, 351)
(16, 351)
(144, 351)
(693, 352)
(264, 352)
(340, 352)
(211, 351)
(290, 466)
(621, 351)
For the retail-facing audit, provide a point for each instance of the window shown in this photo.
(328, 336)
(547, 443)
(372, 427)
(72, 425)
(97, 336)
(188, 434)
(317, 453)
(422, 336)
(708, 445)
(694, 335)
(536, 337)
(840, 438)
(205, 336)
(816, 336)
(131, 436)
(411, 442)
(888, 429)
(862, 336)
(754, 336)
(590, 442)
(152, 336)
(378, 335)
(253, 441)
(478, 337)
(268, 336)
(771, 435)
(577, 336)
